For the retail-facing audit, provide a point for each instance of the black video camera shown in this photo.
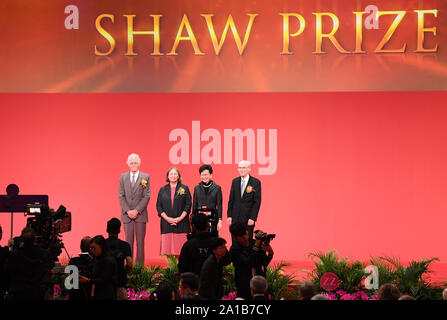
(48, 226)
(265, 238)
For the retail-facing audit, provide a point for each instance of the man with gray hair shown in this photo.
(258, 288)
(245, 199)
(134, 195)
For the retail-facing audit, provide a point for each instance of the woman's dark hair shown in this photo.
(206, 167)
(388, 292)
(164, 291)
(101, 241)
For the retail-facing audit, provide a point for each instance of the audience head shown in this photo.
(206, 173)
(406, 297)
(85, 244)
(28, 237)
(189, 283)
(319, 297)
(165, 291)
(218, 248)
(444, 294)
(307, 290)
(258, 285)
(388, 291)
(99, 247)
(239, 231)
(199, 222)
(113, 226)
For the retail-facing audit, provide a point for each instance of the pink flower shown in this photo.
(56, 290)
(347, 296)
(373, 297)
(340, 292)
(144, 295)
(131, 293)
(231, 296)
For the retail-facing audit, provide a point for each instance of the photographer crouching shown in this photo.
(250, 257)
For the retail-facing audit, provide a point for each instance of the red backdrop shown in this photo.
(364, 173)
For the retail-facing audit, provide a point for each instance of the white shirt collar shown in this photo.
(136, 175)
(246, 178)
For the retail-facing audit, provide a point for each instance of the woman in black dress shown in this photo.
(173, 206)
(207, 194)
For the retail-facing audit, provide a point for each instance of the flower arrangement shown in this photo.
(249, 189)
(143, 183)
(140, 295)
(181, 191)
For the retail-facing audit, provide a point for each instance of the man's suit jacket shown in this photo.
(136, 198)
(245, 207)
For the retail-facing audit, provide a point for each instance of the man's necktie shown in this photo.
(242, 187)
(133, 180)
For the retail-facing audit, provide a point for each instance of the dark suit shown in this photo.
(135, 198)
(182, 202)
(241, 209)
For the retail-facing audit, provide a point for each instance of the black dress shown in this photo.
(173, 237)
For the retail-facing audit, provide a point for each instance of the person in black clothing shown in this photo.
(173, 207)
(165, 291)
(189, 286)
(245, 199)
(104, 274)
(123, 254)
(197, 249)
(84, 262)
(258, 288)
(250, 257)
(4, 254)
(28, 269)
(211, 283)
(207, 194)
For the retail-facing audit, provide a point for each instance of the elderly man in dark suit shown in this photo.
(245, 198)
(134, 195)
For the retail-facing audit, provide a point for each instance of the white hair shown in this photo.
(133, 155)
(245, 162)
(258, 284)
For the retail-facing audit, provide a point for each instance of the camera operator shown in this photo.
(250, 257)
(4, 254)
(197, 249)
(84, 262)
(28, 269)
